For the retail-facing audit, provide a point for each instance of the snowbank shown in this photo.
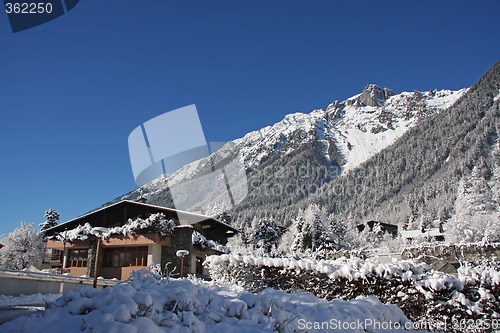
(27, 300)
(147, 304)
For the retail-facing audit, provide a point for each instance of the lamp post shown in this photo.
(181, 254)
(97, 232)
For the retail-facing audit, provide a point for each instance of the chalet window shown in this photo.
(54, 255)
(78, 258)
(126, 256)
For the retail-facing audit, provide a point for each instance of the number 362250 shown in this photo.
(28, 8)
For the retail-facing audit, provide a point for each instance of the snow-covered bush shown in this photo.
(237, 244)
(81, 232)
(165, 273)
(482, 286)
(390, 244)
(156, 222)
(24, 247)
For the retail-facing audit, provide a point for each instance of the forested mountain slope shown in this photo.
(419, 177)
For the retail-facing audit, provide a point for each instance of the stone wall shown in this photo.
(181, 240)
(92, 257)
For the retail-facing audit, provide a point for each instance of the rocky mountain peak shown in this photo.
(372, 95)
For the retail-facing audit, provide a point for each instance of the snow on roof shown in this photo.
(181, 212)
(418, 233)
(184, 212)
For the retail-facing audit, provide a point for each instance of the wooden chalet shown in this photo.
(384, 227)
(119, 255)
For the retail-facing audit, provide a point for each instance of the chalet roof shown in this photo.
(372, 223)
(104, 216)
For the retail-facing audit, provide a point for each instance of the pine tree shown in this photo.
(224, 217)
(51, 220)
(319, 239)
(425, 222)
(298, 234)
(267, 236)
(477, 211)
(309, 235)
(339, 231)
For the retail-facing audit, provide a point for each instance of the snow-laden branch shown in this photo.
(155, 223)
(200, 240)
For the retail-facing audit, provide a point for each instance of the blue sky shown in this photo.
(73, 89)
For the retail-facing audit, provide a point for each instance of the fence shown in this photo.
(15, 283)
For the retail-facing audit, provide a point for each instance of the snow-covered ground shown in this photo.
(12, 307)
(146, 304)
(27, 300)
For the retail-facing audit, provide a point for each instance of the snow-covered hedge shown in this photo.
(147, 304)
(422, 294)
(154, 223)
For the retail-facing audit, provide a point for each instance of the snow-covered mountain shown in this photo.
(337, 138)
(351, 131)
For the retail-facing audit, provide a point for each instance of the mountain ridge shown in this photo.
(334, 139)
